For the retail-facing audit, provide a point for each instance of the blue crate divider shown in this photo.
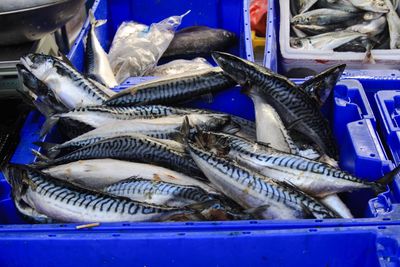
(201, 244)
(272, 55)
(361, 153)
(388, 103)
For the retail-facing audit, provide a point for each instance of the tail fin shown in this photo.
(52, 149)
(15, 175)
(380, 185)
(95, 23)
(48, 125)
(40, 156)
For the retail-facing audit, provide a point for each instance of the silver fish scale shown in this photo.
(91, 200)
(134, 149)
(289, 161)
(304, 109)
(146, 187)
(263, 185)
(173, 91)
(65, 70)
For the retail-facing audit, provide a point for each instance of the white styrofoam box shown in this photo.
(314, 61)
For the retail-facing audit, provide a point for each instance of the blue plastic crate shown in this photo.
(201, 244)
(273, 57)
(354, 124)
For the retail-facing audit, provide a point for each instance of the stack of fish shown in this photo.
(345, 25)
(138, 156)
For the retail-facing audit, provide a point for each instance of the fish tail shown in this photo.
(15, 175)
(48, 125)
(93, 21)
(42, 158)
(52, 149)
(380, 185)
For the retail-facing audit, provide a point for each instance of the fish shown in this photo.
(312, 29)
(344, 5)
(89, 118)
(378, 6)
(66, 202)
(133, 147)
(298, 111)
(357, 45)
(323, 16)
(179, 66)
(97, 65)
(161, 128)
(312, 177)
(158, 192)
(173, 89)
(69, 86)
(393, 21)
(251, 190)
(325, 41)
(372, 28)
(99, 173)
(199, 40)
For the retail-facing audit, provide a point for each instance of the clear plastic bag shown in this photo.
(179, 66)
(136, 48)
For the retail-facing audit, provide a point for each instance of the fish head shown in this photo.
(38, 64)
(30, 80)
(237, 68)
(300, 19)
(298, 43)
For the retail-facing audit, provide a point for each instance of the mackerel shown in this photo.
(96, 116)
(99, 173)
(323, 16)
(70, 87)
(173, 89)
(325, 41)
(313, 177)
(66, 202)
(255, 191)
(157, 192)
(97, 65)
(298, 111)
(131, 148)
(162, 128)
(378, 6)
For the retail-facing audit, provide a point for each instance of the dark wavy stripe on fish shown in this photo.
(173, 90)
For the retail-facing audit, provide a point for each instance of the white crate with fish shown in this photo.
(315, 34)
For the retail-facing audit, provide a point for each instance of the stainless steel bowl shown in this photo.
(30, 24)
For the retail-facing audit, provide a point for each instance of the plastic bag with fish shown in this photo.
(136, 48)
(179, 66)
